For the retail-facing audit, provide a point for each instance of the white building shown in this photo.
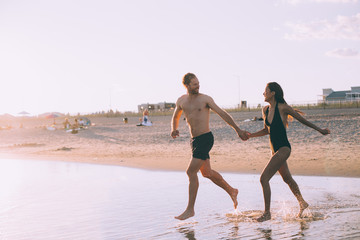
(330, 95)
(156, 107)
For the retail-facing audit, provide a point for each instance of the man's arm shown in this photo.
(175, 120)
(227, 118)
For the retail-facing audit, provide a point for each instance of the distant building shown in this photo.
(330, 95)
(158, 107)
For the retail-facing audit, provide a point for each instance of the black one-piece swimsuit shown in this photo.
(278, 137)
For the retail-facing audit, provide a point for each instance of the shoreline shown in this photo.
(151, 167)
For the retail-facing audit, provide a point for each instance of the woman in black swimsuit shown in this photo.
(275, 118)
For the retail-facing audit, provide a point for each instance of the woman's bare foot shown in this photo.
(303, 206)
(266, 216)
(185, 215)
(234, 197)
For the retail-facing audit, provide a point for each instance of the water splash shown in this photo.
(288, 214)
(243, 216)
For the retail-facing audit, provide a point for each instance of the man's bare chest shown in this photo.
(194, 107)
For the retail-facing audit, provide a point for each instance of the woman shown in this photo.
(275, 117)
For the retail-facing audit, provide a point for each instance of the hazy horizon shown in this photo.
(88, 56)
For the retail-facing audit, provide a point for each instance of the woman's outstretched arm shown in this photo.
(289, 110)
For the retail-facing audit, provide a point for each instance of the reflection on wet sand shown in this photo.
(237, 218)
(187, 232)
(108, 202)
(265, 233)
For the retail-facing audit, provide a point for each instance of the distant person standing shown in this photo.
(275, 117)
(196, 107)
(67, 124)
(76, 124)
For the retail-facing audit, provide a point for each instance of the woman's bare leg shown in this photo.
(276, 161)
(286, 175)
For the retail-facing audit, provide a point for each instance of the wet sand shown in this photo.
(111, 141)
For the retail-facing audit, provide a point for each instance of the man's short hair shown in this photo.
(187, 78)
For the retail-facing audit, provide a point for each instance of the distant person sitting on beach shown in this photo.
(196, 107)
(145, 114)
(125, 120)
(146, 117)
(275, 122)
(145, 121)
(257, 119)
(81, 123)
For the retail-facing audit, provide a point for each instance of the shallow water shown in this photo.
(62, 200)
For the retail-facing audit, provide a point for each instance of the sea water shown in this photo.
(62, 200)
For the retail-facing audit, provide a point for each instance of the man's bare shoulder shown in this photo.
(182, 98)
(199, 95)
(205, 97)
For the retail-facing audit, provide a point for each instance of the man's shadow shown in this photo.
(188, 232)
(266, 233)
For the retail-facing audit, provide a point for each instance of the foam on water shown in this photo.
(58, 200)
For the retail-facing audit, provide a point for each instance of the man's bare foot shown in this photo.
(266, 216)
(234, 197)
(303, 206)
(185, 215)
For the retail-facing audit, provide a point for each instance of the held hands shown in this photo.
(324, 131)
(250, 135)
(244, 135)
(174, 134)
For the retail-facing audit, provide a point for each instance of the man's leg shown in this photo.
(192, 171)
(214, 176)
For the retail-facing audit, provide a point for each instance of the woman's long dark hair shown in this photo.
(279, 97)
(279, 93)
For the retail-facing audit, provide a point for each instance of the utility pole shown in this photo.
(238, 78)
(110, 98)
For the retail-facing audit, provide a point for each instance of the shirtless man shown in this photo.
(196, 107)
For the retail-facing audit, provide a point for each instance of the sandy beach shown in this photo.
(48, 187)
(111, 141)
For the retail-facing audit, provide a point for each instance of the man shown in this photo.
(196, 107)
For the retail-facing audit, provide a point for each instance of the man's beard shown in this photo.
(194, 91)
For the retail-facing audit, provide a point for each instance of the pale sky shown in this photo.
(85, 56)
